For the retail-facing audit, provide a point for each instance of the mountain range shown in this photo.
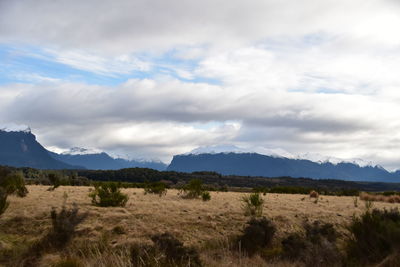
(21, 149)
(254, 164)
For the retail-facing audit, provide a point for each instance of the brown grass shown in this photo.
(194, 222)
(380, 198)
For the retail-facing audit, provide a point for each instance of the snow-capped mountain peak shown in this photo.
(319, 158)
(277, 152)
(80, 151)
(215, 149)
(12, 127)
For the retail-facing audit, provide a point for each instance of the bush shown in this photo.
(158, 188)
(256, 235)
(316, 246)
(3, 201)
(108, 195)
(167, 251)
(55, 180)
(374, 236)
(63, 225)
(253, 204)
(205, 196)
(14, 183)
(195, 189)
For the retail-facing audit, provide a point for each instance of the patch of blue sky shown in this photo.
(207, 125)
(23, 65)
(27, 64)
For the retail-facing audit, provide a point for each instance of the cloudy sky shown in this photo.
(154, 78)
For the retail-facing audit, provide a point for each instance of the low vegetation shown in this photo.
(257, 235)
(253, 204)
(11, 182)
(375, 237)
(158, 188)
(315, 245)
(108, 195)
(195, 189)
(175, 232)
(384, 197)
(3, 201)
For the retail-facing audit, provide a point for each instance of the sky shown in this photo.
(151, 79)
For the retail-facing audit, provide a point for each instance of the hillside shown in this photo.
(20, 149)
(253, 164)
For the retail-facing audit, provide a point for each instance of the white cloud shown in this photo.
(303, 76)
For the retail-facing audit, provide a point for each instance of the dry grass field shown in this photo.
(103, 235)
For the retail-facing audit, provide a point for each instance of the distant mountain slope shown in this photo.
(102, 161)
(20, 149)
(253, 164)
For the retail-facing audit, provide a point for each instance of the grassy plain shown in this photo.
(105, 235)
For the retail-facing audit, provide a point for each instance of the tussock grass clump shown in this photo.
(314, 194)
(375, 236)
(108, 195)
(257, 234)
(166, 251)
(195, 189)
(253, 204)
(316, 246)
(158, 188)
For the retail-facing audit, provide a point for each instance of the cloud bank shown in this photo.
(156, 78)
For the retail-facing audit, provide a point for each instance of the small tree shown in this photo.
(108, 195)
(253, 204)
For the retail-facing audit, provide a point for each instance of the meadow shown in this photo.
(105, 236)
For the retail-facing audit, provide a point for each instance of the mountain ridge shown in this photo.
(254, 164)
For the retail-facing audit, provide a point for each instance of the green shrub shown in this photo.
(108, 195)
(158, 188)
(14, 183)
(253, 204)
(205, 196)
(316, 246)
(3, 201)
(257, 234)
(195, 189)
(375, 235)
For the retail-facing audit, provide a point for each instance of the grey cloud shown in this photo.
(126, 26)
